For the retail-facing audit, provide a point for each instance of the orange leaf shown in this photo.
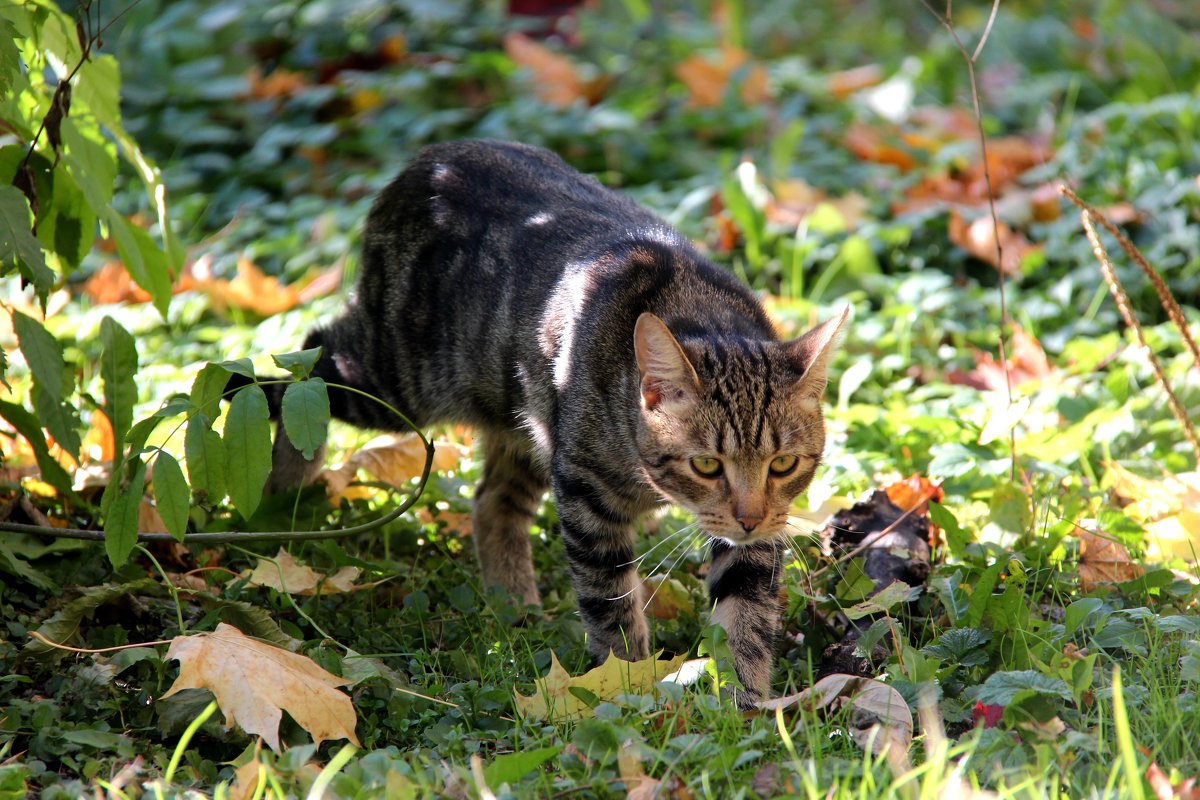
(869, 145)
(848, 81)
(706, 79)
(1027, 361)
(914, 491)
(98, 442)
(112, 284)
(556, 80)
(1104, 560)
(979, 239)
(280, 83)
(252, 290)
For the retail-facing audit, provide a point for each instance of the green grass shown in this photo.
(1003, 620)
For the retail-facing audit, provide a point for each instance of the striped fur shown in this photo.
(598, 354)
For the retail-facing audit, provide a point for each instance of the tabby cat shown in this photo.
(599, 356)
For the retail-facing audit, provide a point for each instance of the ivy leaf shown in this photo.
(121, 521)
(248, 448)
(306, 415)
(171, 494)
(205, 453)
(1004, 688)
(300, 363)
(17, 243)
(118, 366)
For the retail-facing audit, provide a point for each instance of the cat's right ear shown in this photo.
(668, 379)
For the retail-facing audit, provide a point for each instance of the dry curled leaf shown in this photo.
(707, 78)
(1027, 361)
(878, 716)
(284, 574)
(1104, 560)
(255, 682)
(251, 290)
(553, 697)
(394, 460)
(979, 239)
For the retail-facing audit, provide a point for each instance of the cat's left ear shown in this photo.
(811, 353)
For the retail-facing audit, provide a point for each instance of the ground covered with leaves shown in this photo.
(829, 154)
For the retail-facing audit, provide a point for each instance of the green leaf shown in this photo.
(98, 87)
(1010, 509)
(241, 366)
(63, 627)
(205, 459)
(143, 259)
(300, 364)
(92, 164)
(512, 767)
(67, 224)
(17, 243)
(981, 594)
(306, 415)
(883, 600)
(248, 448)
(60, 419)
(43, 353)
(208, 387)
(956, 538)
(1002, 688)
(855, 584)
(171, 494)
(961, 646)
(118, 367)
(10, 57)
(121, 521)
(1079, 611)
(29, 427)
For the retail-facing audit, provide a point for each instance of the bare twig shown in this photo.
(946, 21)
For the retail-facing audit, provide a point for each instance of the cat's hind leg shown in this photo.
(506, 500)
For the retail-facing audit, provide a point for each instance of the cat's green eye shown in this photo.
(708, 467)
(783, 465)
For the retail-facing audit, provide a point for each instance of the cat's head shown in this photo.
(730, 429)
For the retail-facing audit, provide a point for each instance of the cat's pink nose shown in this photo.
(749, 521)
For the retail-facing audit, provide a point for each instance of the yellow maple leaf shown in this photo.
(1168, 508)
(553, 698)
(285, 574)
(255, 682)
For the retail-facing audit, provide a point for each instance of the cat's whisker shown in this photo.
(666, 574)
(638, 561)
(684, 541)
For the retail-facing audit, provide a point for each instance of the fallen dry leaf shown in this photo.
(979, 238)
(848, 81)
(280, 83)
(914, 491)
(792, 201)
(556, 80)
(1027, 361)
(553, 698)
(1103, 560)
(254, 683)
(285, 574)
(1164, 789)
(112, 284)
(1168, 508)
(869, 144)
(251, 290)
(878, 715)
(707, 78)
(394, 460)
(638, 785)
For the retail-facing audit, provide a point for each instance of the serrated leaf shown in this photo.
(208, 387)
(247, 448)
(254, 683)
(1001, 688)
(253, 620)
(17, 243)
(981, 593)
(171, 494)
(118, 367)
(121, 521)
(28, 426)
(960, 646)
(205, 452)
(300, 363)
(42, 352)
(882, 602)
(63, 627)
(240, 366)
(553, 698)
(1010, 509)
(98, 87)
(143, 260)
(60, 420)
(92, 164)
(306, 415)
(284, 574)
